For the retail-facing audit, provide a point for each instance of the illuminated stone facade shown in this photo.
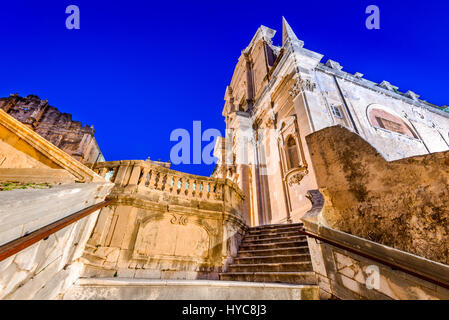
(280, 94)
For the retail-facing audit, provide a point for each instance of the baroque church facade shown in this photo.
(278, 95)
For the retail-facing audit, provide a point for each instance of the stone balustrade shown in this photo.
(147, 176)
(164, 224)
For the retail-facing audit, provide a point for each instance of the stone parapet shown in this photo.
(164, 224)
(377, 229)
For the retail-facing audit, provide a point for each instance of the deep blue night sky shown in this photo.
(136, 70)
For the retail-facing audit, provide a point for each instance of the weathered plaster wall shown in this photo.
(432, 128)
(402, 204)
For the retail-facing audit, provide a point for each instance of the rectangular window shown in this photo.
(390, 125)
(336, 111)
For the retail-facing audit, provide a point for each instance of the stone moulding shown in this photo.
(56, 155)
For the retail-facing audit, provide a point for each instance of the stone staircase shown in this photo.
(273, 253)
(273, 263)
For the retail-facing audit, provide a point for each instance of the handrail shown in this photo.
(377, 259)
(24, 242)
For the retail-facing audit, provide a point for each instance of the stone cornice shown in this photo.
(373, 86)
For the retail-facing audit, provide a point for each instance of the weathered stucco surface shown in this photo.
(403, 204)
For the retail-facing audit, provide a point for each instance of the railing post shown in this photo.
(135, 174)
(122, 175)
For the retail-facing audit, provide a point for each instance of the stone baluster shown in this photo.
(144, 175)
(159, 181)
(102, 171)
(194, 188)
(189, 186)
(163, 181)
(218, 189)
(200, 189)
(171, 183)
(175, 184)
(206, 190)
(179, 185)
(153, 177)
(114, 174)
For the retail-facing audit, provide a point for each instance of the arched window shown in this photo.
(292, 153)
(381, 118)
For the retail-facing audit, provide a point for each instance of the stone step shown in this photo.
(247, 240)
(273, 259)
(152, 289)
(281, 277)
(272, 235)
(273, 252)
(272, 245)
(268, 230)
(278, 226)
(273, 240)
(272, 267)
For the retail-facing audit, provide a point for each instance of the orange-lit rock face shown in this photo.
(56, 127)
(403, 204)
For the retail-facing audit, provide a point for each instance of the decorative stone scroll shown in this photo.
(301, 85)
(295, 176)
(178, 219)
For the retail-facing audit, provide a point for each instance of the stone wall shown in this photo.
(402, 204)
(396, 211)
(164, 224)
